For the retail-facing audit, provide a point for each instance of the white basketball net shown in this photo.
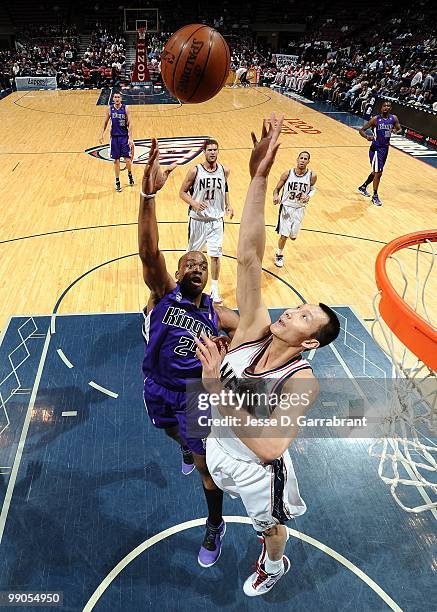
(407, 451)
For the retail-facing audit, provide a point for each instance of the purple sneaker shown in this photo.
(363, 190)
(212, 545)
(187, 462)
(376, 200)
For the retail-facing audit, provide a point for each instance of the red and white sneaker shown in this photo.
(260, 583)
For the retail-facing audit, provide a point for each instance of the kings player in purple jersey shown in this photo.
(177, 312)
(383, 126)
(122, 144)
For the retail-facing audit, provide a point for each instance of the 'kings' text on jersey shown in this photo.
(118, 120)
(169, 330)
(382, 132)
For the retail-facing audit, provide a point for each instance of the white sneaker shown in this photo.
(279, 261)
(216, 297)
(260, 583)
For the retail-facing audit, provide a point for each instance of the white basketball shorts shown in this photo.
(289, 221)
(270, 493)
(206, 232)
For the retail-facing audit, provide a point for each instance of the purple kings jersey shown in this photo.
(118, 120)
(169, 330)
(382, 132)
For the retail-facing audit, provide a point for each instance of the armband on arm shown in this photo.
(311, 192)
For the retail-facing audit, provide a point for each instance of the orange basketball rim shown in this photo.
(411, 329)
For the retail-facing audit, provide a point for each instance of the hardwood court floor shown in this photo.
(61, 216)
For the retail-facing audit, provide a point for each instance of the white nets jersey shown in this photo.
(237, 365)
(294, 187)
(209, 187)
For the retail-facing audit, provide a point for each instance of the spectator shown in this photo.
(417, 78)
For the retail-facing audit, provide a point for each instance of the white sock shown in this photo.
(279, 251)
(214, 285)
(272, 567)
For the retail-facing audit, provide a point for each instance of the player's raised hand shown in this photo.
(210, 355)
(264, 151)
(154, 176)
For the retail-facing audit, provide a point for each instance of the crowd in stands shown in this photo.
(42, 51)
(245, 53)
(394, 57)
(104, 60)
(54, 51)
(349, 78)
(344, 62)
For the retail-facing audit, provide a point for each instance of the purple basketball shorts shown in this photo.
(167, 408)
(377, 159)
(119, 147)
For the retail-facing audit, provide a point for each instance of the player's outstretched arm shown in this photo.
(184, 192)
(369, 124)
(279, 186)
(254, 316)
(155, 272)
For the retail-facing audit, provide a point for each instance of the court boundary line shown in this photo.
(176, 105)
(5, 329)
(359, 146)
(15, 367)
(83, 314)
(158, 111)
(227, 223)
(22, 441)
(101, 265)
(109, 578)
(2, 337)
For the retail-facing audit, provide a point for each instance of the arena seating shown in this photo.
(342, 59)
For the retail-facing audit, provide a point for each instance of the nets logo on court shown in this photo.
(179, 150)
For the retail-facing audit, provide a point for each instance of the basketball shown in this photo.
(195, 63)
